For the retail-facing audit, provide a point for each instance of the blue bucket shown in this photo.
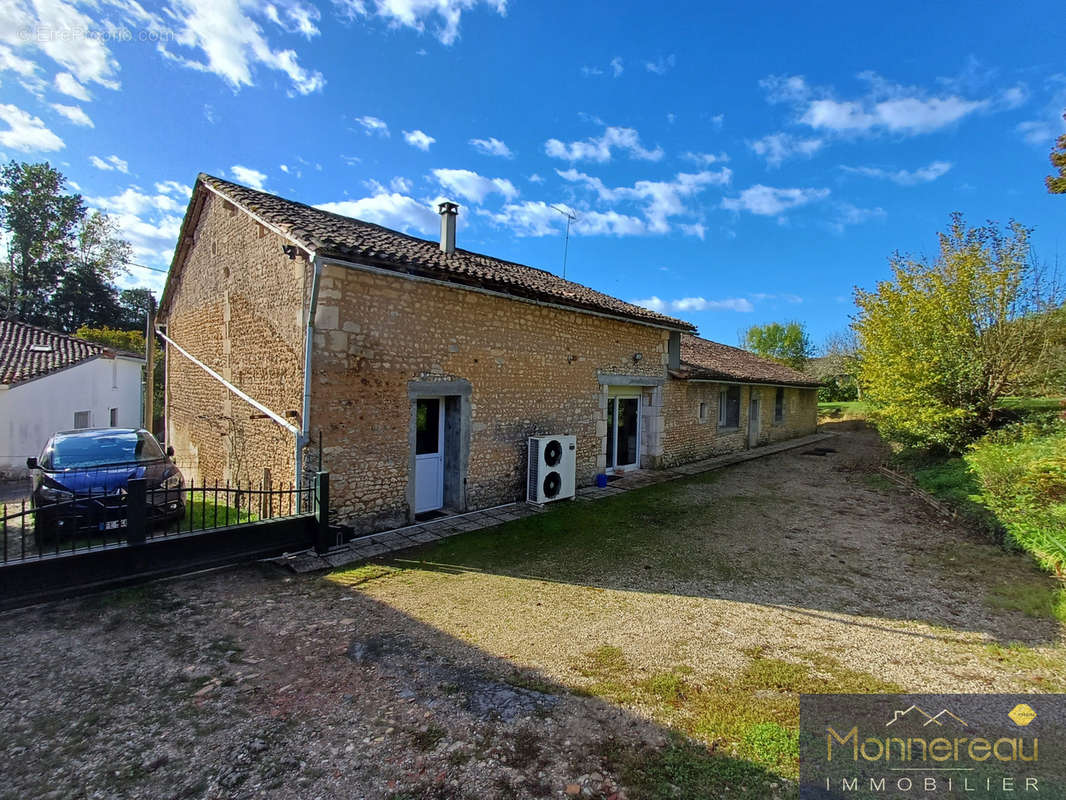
(601, 481)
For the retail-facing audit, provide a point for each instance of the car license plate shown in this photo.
(113, 525)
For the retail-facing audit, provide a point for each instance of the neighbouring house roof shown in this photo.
(702, 359)
(28, 352)
(345, 238)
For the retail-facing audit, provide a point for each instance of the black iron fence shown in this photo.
(74, 522)
(95, 540)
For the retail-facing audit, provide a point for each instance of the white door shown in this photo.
(429, 454)
(623, 433)
(753, 422)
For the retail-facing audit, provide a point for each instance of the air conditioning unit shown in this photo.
(552, 468)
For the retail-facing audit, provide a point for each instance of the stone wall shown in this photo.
(532, 370)
(238, 307)
(687, 437)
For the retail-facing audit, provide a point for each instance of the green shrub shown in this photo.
(1021, 472)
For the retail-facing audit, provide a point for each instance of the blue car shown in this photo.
(81, 479)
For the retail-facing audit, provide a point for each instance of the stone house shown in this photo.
(424, 368)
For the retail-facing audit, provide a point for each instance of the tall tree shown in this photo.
(787, 343)
(87, 294)
(943, 340)
(42, 221)
(134, 305)
(1057, 185)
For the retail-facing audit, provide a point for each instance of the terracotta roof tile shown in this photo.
(707, 360)
(347, 238)
(28, 352)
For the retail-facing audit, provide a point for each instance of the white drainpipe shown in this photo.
(309, 338)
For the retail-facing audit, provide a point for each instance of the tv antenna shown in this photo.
(570, 217)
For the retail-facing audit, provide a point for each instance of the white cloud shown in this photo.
(609, 223)
(111, 163)
(446, 14)
(373, 125)
(770, 201)
(75, 114)
(616, 67)
(391, 209)
(23, 67)
(1042, 131)
(401, 185)
(26, 132)
(705, 159)
(885, 107)
(904, 177)
(492, 147)
(530, 218)
(537, 218)
(57, 30)
(68, 85)
(661, 65)
(600, 149)
(248, 176)
(788, 298)
(661, 199)
(418, 139)
(535, 178)
(1037, 132)
(150, 222)
(473, 187)
(848, 214)
(173, 188)
(686, 304)
(776, 147)
(785, 89)
(233, 43)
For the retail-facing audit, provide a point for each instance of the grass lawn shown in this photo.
(201, 514)
(851, 409)
(709, 605)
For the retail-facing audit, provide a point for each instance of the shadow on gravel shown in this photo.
(247, 683)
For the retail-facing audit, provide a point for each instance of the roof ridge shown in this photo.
(392, 231)
(407, 253)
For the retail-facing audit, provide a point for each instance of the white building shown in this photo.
(52, 382)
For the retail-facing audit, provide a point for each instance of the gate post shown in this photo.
(322, 538)
(136, 510)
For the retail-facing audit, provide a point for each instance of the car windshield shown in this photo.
(104, 447)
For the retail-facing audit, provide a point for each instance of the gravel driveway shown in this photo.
(455, 673)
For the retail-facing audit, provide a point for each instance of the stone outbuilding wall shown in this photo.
(528, 369)
(688, 436)
(239, 309)
(507, 368)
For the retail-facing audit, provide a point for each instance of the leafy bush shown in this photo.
(1021, 470)
(838, 388)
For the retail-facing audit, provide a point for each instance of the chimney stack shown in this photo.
(448, 212)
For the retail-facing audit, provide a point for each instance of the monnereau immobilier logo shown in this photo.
(983, 747)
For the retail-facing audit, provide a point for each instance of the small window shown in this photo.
(703, 412)
(729, 407)
(113, 418)
(779, 406)
(81, 419)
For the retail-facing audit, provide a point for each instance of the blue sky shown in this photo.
(729, 165)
